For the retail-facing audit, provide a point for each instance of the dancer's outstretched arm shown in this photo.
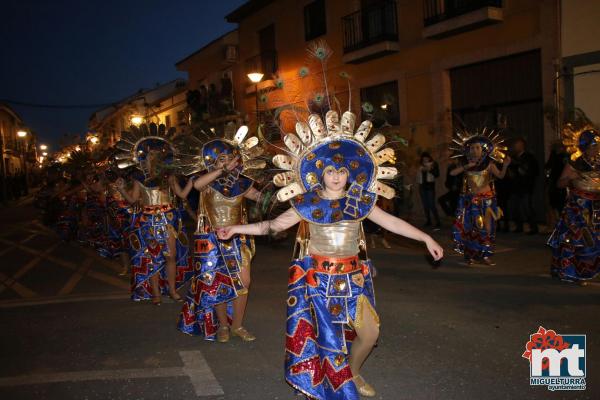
(500, 173)
(462, 168)
(178, 190)
(281, 223)
(132, 197)
(253, 195)
(207, 178)
(401, 227)
(568, 174)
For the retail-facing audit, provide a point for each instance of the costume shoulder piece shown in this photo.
(316, 147)
(466, 145)
(577, 141)
(202, 150)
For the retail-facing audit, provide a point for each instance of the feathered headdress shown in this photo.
(200, 152)
(491, 142)
(318, 145)
(577, 140)
(136, 144)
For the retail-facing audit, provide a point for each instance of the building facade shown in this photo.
(19, 156)
(164, 104)
(424, 67)
(213, 83)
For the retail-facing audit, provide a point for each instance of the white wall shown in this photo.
(581, 34)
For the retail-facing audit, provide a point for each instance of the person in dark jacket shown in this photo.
(427, 173)
(524, 171)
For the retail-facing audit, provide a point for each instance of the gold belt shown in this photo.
(333, 265)
(157, 209)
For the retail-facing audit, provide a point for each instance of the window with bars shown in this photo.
(380, 103)
(315, 20)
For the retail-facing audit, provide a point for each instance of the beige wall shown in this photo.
(587, 91)
(580, 34)
(580, 26)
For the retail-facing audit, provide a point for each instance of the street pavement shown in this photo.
(69, 331)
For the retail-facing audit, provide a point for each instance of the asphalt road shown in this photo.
(68, 330)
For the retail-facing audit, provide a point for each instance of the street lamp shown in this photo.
(43, 147)
(21, 133)
(94, 140)
(256, 77)
(136, 120)
(44, 154)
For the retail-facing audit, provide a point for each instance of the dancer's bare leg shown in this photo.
(124, 261)
(488, 224)
(221, 311)
(367, 332)
(239, 304)
(154, 282)
(172, 265)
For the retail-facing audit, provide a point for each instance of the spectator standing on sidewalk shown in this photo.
(524, 171)
(427, 173)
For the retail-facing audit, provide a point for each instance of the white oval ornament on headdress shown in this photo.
(332, 121)
(348, 121)
(363, 130)
(316, 125)
(303, 131)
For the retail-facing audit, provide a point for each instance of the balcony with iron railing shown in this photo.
(444, 18)
(266, 63)
(370, 32)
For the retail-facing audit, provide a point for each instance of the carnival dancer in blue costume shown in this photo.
(92, 231)
(118, 221)
(158, 242)
(575, 241)
(332, 184)
(216, 302)
(474, 229)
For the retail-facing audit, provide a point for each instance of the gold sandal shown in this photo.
(487, 261)
(363, 387)
(223, 334)
(156, 300)
(176, 297)
(243, 334)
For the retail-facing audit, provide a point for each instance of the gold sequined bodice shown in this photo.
(588, 181)
(475, 181)
(155, 196)
(340, 239)
(222, 211)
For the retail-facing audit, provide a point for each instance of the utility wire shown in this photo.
(55, 106)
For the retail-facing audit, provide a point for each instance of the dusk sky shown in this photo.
(74, 52)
